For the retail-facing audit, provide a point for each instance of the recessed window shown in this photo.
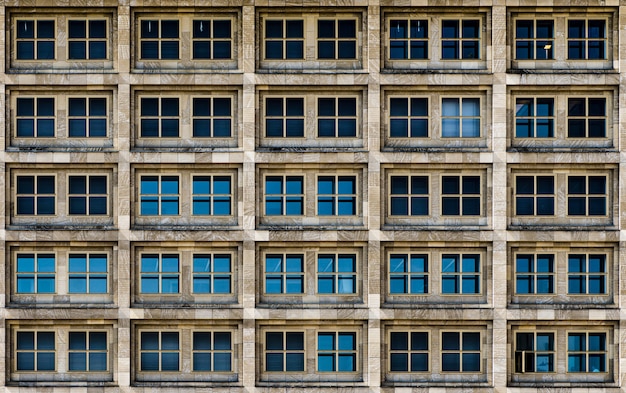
(336, 39)
(534, 352)
(586, 274)
(159, 117)
(212, 351)
(35, 273)
(160, 273)
(284, 274)
(284, 39)
(159, 195)
(35, 39)
(408, 117)
(408, 39)
(284, 351)
(284, 195)
(87, 195)
(35, 195)
(36, 351)
(460, 352)
(460, 118)
(212, 39)
(336, 274)
(336, 117)
(87, 39)
(534, 39)
(284, 117)
(409, 352)
(212, 117)
(409, 196)
(586, 117)
(88, 351)
(35, 118)
(212, 274)
(212, 195)
(88, 273)
(159, 351)
(586, 39)
(408, 274)
(534, 274)
(460, 274)
(534, 195)
(336, 195)
(586, 195)
(159, 39)
(534, 118)
(586, 352)
(336, 352)
(460, 39)
(460, 195)
(87, 117)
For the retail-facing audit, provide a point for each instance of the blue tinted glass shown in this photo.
(326, 49)
(25, 50)
(77, 283)
(45, 263)
(77, 263)
(201, 263)
(45, 128)
(25, 263)
(25, 128)
(450, 107)
(77, 50)
(221, 185)
(169, 185)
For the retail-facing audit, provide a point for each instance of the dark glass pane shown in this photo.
(25, 107)
(169, 29)
(77, 106)
(221, 50)
(274, 107)
(169, 107)
(274, 29)
(577, 128)
(450, 185)
(77, 28)
(25, 29)
(45, 50)
(25, 50)
(326, 50)
(294, 29)
(77, 50)
(25, 128)
(45, 29)
(398, 28)
(347, 50)
(201, 50)
(576, 185)
(221, 29)
(169, 49)
(202, 29)
(294, 50)
(524, 29)
(45, 107)
(326, 29)
(149, 107)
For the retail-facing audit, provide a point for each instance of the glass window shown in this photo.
(586, 353)
(88, 273)
(87, 117)
(284, 117)
(159, 117)
(409, 352)
(284, 39)
(336, 117)
(160, 273)
(586, 196)
(35, 273)
(534, 118)
(35, 118)
(87, 351)
(534, 195)
(159, 40)
(586, 274)
(35, 39)
(212, 39)
(212, 274)
(534, 39)
(336, 352)
(586, 117)
(408, 274)
(159, 351)
(460, 39)
(409, 196)
(460, 195)
(212, 117)
(35, 195)
(35, 351)
(87, 195)
(284, 274)
(460, 117)
(212, 195)
(534, 352)
(408, 117)
(87, 39)
(284, 195)
(408, 39)
(460, 274)
(460, 352)
(336, 274)
(212, 351)
(534, 274)
(336, 196)
(284, 351)
(159, 195)
(336, 39)
(586, 39)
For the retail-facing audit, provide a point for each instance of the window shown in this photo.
(284, 117)
(172, 352)
(460, 195)
(212, 274)
(409, 196)
(35, 39)
(460, 274)
(534, 39)
(586, 353)
(336, 274)
(87, 39)
(535, 195)
(160, 273)
(159, 39)
(408, 274)
(35, 118)
(336, 352)
(35, 351)
(284, 274)
(87, 117)
(284, 195)
(336, 39)
(586, 274)
(284, 351)
(336, 117)
(35, 273)
(336, 196)
(212, 117)
(87, 195)
(159, 195)
(284, 39)
(408, 39)
(534, 274)
(409, 352)
(586, 117)
(408, 117)
(159, 117)
(36, 195)
(88, 273)
(460, 352)
(534, 352)
(460, 39)
(88, 351)
(534, 118)
(460, 118)
(212, 195)
(212, 39)
(586, 195)
(586, 39)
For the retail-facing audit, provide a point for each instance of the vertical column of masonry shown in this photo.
(3, 198)
(499, 208)
(124, 190)
(622, 192)
(373, 190)
(249, 200)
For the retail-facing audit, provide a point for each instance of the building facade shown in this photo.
(271, 196)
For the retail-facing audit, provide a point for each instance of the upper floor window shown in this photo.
(314, 119)
(284, 195)
(199, 197)
(187, 40)
(336, 195)
(561, 39)
(587, 274)
(435, 119)
(62, 40)
(311, 41)
(438, 41)
(336, 352)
